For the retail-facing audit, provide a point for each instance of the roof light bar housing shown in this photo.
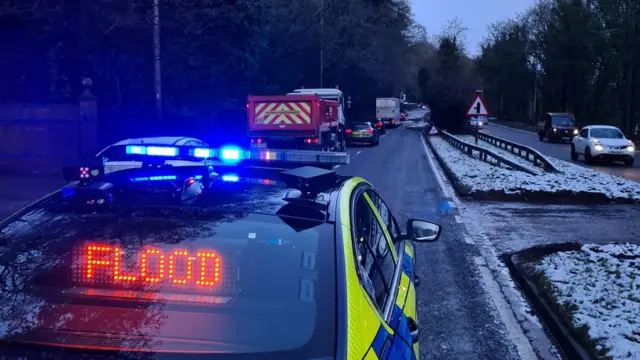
(233, 155)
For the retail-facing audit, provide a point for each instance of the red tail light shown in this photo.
(369, 131)
(311, 141)
(348, 131)
(379, 124)
(256, 141)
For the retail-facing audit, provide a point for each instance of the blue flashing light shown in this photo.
(230, 178)
(230, 154)
(154, 178)
(162, 151)
(152, 150)
(136, 150)
(203, 153)
(233, 155)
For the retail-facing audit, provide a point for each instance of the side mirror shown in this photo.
(423, 231)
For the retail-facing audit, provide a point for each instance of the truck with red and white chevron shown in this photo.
(310, 119)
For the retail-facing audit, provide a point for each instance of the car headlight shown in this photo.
(599, 147)
(575, 131)
(631, 148)
(555, 130)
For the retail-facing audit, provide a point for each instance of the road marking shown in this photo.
(358, 153)
(514, 330)
(488, 282)
(446, 189)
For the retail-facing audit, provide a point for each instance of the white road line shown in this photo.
(514, 330)
(358, 153)
(488, 282)
(446, 189)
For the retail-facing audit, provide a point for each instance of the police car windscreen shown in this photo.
(161, 280)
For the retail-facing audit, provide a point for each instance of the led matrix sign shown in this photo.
(174, 268)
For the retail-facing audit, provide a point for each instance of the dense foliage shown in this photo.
(216, 52)
(583, 55)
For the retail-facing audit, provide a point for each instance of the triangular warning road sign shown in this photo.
(433, 131)
(478, 108)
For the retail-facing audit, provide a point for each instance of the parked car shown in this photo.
(602, 142)
(557, 127)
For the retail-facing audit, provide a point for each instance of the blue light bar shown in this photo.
(203, 153)
(152, 150)
(137, 150)
(230, 154)
(230, 178)
(154, 178)
(233, 155)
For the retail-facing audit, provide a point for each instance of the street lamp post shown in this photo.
(156, 59)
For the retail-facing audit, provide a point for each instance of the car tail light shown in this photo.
(379, 124)
(311, 141)
(256, 141)
(369, 131)
(393, 121)
(348, 131)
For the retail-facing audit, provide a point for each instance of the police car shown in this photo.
(276, 257)
(114, 159)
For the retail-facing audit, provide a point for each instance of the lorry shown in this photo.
(388, 111)
(557, 127)
(305, 119)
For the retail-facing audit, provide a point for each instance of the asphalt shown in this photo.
(458, 319)
(512, 227)
(561, 151)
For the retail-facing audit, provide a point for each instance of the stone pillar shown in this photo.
(88, 122)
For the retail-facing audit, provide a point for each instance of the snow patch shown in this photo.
(601, 283)
(480, 176)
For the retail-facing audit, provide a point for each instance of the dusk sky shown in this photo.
(475, 15)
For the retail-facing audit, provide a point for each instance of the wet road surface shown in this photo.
(512, 227)
(458, 319)
(562, 151)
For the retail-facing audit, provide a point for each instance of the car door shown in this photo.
(406, 258)
(385, 278)
(582, 140)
